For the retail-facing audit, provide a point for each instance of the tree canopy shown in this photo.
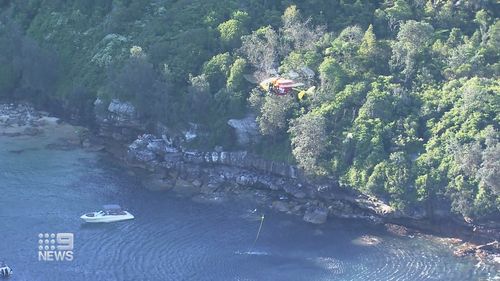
(406, 101)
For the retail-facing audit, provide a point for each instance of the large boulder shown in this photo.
(192, 132)
(148, 147)
(157, 146)
(297, 190)
(246, 129)
(118, 113)
(316, 215)
(122, 111)
(118, 119)
(246, 179)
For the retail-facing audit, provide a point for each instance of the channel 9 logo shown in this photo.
(55, 246)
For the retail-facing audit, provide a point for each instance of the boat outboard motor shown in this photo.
(5, 271)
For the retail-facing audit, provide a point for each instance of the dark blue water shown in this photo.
(176, 238)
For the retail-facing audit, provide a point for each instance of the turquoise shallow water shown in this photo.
(176, 238)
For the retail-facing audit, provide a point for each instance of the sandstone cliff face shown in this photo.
(218, 171)
(117, 120)
(246, 129)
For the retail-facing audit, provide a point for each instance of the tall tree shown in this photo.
(261, 49)
(309, 142)
(274, 114)
(413, 39)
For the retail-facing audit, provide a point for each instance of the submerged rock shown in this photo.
(63, 144)
(209, 188)
(281, 206)
(32, 131)
(398, 229)
(209, 198)
(47, 121)
(94, 148)
(157, 183)
(487, 255)
(367, 240)
(180, 183)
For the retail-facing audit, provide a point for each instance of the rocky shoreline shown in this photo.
(168, 164)
(165, 154)
(219, 172)
(19, 119)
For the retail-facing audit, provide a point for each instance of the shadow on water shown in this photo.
(100, 226)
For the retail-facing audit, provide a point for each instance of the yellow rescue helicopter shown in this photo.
(281, 87)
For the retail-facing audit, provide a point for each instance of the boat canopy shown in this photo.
(112, 207)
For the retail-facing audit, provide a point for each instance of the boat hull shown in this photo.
(107, 218)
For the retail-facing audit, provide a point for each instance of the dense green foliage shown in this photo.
(406, 104)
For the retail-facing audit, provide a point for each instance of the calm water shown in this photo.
(176, 238)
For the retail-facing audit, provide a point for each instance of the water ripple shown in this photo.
(175, 238)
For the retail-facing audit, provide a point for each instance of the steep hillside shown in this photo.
(406, 96)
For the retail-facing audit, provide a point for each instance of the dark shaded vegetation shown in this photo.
(407, 99)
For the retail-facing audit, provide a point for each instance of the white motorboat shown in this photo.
(5, 270)
(110, 213)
